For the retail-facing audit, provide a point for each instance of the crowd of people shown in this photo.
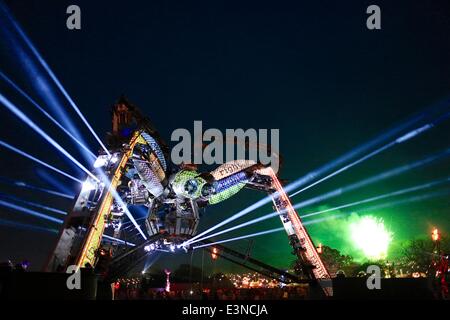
(232, 294)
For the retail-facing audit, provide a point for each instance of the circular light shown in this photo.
(370, 235)
(88, 186)
(100, 162)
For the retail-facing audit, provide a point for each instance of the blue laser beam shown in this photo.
(105, 236)
(37, 80)
(34, 213)
(232, 218)
(256, 234)
(26, 226)
(372, 199)
(376, 178)
(52, 75)
(390, 204)
(406, 137)
(43, 134)
(129, 224)
(384, 175)
(120, 202)
(414, 120)
(28, 156)
(261, 233)
(21, 184)
(384, 196)
(408, 200)
(242, 225)
(254, 221)
(53, 181)
(32, 204)
(35, 104)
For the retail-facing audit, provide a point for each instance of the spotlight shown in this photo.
(101, 162)
(88, 186)
(114, 158)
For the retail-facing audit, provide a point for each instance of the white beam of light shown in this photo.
(43, 134)
(105, 236)
(241, 213)
(376, 178)
(242, 225)
(32, 204)
(441, 106)
(296, 206)
(19, 225)
(60, 126)
(52, 76)
(26, 155)
(346, 157)
(261, 233)
(120, 202)
(25, 226)
(408, 200)
(33, 213)
(128, 213)
(256, 234)
(384, 196)
(25, 185)
(408, 136)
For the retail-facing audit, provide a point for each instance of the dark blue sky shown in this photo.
(310, 68)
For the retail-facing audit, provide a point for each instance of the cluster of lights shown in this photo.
(251, 280)
(127, 282)
(88, 185)
(103, 160)
(150, 247)
(117, 225)
(157, 246)
(214, 254)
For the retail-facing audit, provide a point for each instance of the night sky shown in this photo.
(310, 68)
